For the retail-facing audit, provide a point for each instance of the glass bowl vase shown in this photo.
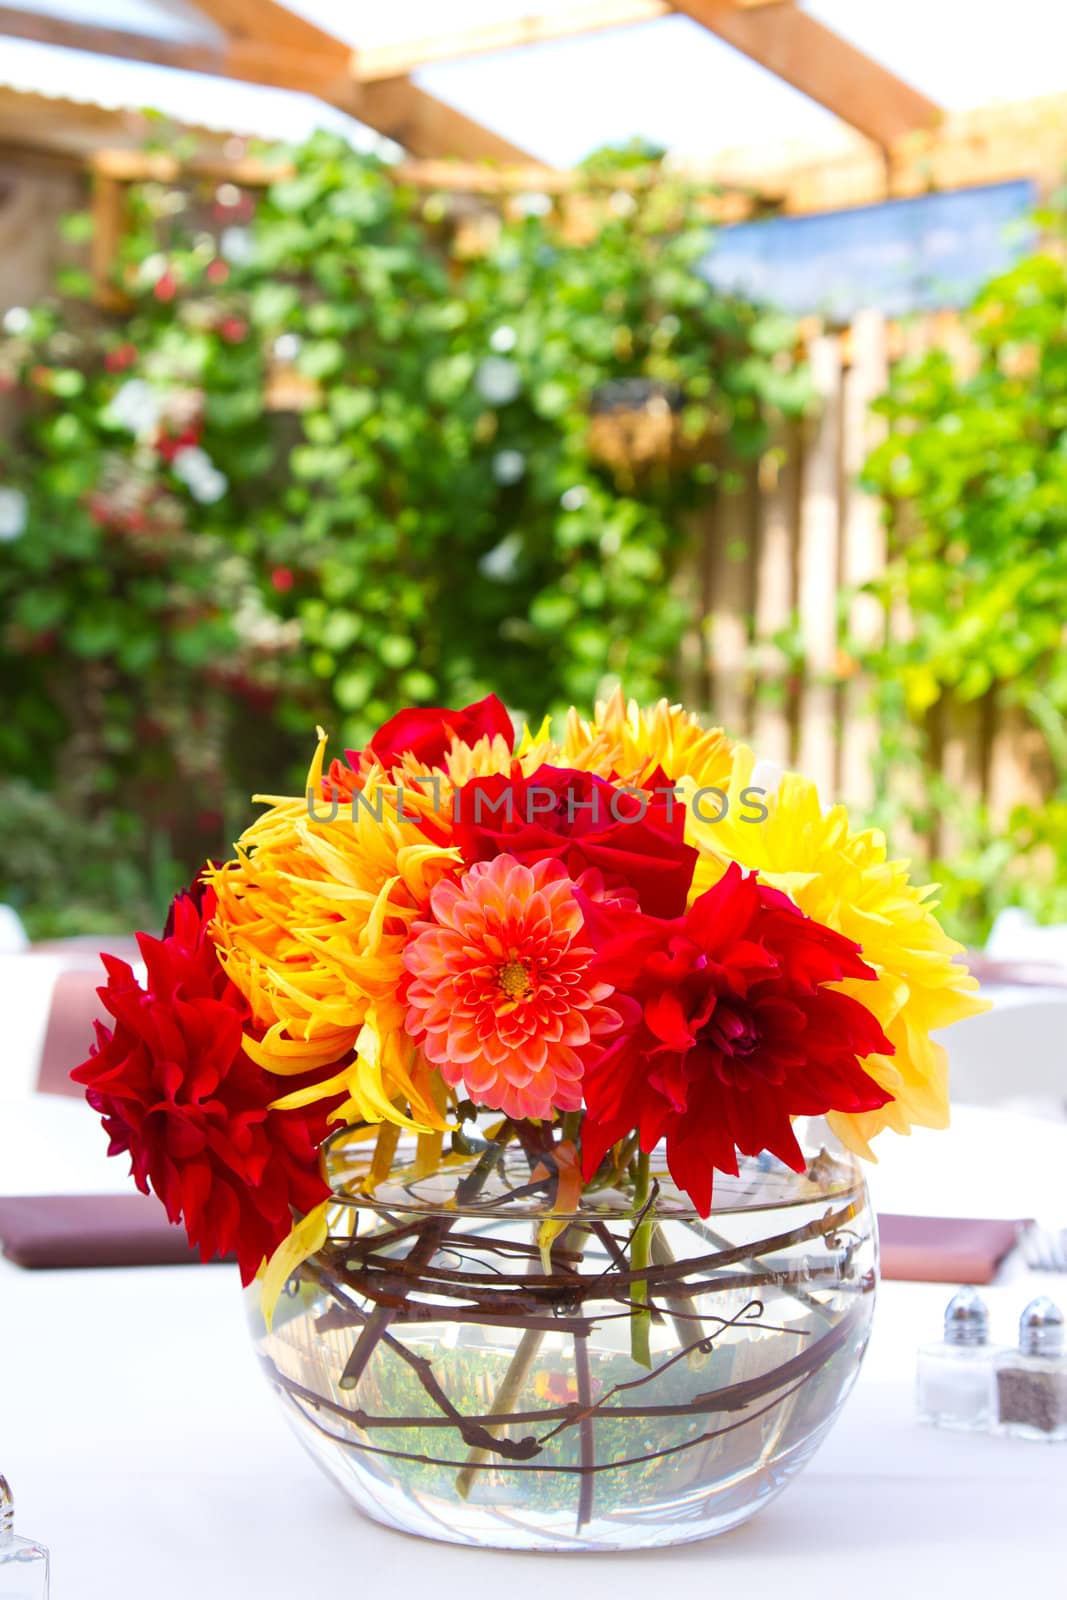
(471, 1365)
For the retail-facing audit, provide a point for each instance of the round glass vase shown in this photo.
(471, 1365)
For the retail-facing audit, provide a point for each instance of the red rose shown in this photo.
(427, 732)
(119, 359)
(728, 1031)
(176, 1090)
(169, 445)
(633, 837)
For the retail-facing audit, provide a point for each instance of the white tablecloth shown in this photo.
(146, 1451)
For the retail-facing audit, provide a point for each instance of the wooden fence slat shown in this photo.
(1020, 771)
(729, 596)
(774, 601)
(963, 763)
(817, 566)
(863, 549)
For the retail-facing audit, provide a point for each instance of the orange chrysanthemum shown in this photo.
(500, 996)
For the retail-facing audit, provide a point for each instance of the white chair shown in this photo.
(1015, 936)
(1015, 1055)
(13, 937)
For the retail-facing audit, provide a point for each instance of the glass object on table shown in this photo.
(466, 1373)
(23, 1562)
(1032, 1380)
(955, 1376)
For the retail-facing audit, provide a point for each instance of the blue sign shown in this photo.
(904, 255)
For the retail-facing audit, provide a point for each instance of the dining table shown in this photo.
(147, 1452)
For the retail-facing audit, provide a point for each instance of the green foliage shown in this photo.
(69, 875)
(974, 474)
(202, 576)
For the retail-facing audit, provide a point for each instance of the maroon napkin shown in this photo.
(1025, 974)
(945, 1249)
(75, 1005)
(91, 1230)
(70, 1032)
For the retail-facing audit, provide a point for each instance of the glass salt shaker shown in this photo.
(1032, 1381)
(23, 1563)
(955, 1376)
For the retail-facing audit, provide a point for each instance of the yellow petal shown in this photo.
(547, 1234)
(529, 740)
(308, 1236)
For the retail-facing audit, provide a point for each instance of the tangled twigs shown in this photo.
(460, 1272)
(771, 1388)
(500, 1296)
(515, 1377)
(505, 1397)
(585, 1428)
(422, 1251)
(470, 1431)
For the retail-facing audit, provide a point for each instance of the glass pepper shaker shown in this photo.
(23, 1563)
(1032, 1380)
(955, 1376)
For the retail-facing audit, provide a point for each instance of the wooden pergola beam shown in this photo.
(427, 126)
(266, 43)
(801, 51)
(590, 16)
(274, 47)
(247, 59)
(582, 17)
(398, 109)
(275, 26)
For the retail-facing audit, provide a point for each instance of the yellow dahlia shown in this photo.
(632, 742)
(845, 880)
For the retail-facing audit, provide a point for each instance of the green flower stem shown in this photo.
(640, 1257)
(571, 1126)
(687, 1326)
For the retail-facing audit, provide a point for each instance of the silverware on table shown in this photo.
(1045, 1249)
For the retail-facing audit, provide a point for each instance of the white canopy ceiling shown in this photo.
(667, 80)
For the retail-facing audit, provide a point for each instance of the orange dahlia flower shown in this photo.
(500, 996)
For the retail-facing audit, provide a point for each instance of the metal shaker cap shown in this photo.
(966, 1318)
(1041, 1328)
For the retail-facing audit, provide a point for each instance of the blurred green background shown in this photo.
(326, 454)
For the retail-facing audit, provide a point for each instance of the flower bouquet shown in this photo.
(525, 1083)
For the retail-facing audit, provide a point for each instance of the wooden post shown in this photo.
(773, 727)
(728, 580)
(817, 571)
(1020, 770)
(108, 212)
(863, 551)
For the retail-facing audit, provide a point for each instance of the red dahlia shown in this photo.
(729, 1031)
(176, 1090)
(427, 732)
